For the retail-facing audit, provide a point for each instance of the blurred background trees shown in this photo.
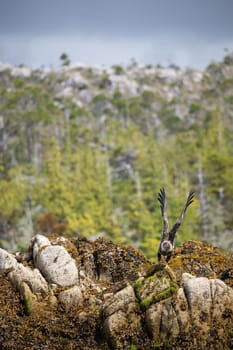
(80, 156)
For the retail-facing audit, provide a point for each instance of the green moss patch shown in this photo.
(159, 284)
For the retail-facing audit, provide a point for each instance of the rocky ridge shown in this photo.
(82, 83)
(80, 294)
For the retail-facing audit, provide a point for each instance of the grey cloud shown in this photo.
(96, 50)
(189, 33)
(123, 17)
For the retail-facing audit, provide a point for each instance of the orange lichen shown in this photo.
(202, 260)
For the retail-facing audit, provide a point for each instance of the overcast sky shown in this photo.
(189, 33)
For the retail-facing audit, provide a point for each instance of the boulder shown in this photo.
(71, 297)
(157, 287)
(32, 277)
(54, 262)
(122, 320)
(7, 261)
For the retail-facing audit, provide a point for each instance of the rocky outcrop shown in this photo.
(78, 294)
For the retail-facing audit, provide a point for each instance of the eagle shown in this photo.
(167, 242)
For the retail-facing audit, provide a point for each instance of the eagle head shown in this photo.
(166, 247)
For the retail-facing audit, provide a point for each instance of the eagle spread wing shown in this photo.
(175, 227)
(162, 201)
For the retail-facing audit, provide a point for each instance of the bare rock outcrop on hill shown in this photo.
(78, 294)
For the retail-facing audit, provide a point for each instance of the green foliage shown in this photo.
(133, 347)
(148, 98)
(118, 69)
(104, 82)
(65, 59)
(157, 343)
(195, 107)
(19, 83)
(28, 305)
(13, 193)
(119, 101)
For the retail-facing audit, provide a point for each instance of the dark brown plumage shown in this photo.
(167, 242)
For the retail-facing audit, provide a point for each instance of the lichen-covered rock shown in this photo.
(169, 319)
(100, 295)
(122, 300)
(209, 300)
(55, 263)
(105, 261)
(202, 260)
(37, 243)
(32, 277)
(156, 287)
(7, 261)
(71, 297)
(198, 294)
(122, 320)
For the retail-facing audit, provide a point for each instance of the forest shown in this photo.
(85, 151)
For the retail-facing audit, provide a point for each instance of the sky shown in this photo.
(188, 33)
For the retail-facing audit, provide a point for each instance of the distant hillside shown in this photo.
(85, 150)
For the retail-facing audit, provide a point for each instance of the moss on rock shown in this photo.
(155, 287)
